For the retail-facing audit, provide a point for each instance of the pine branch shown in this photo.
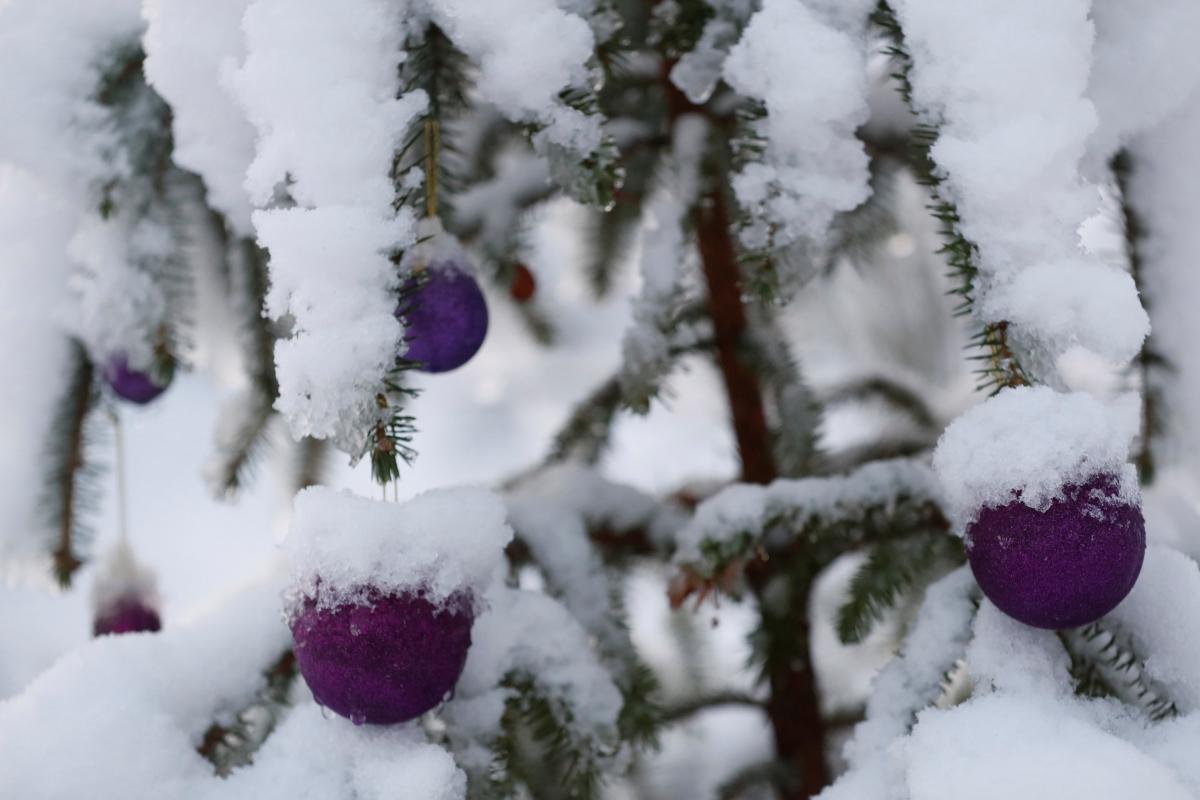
(999, 365)
(1105, 663)
(247, 423)
(1149, 361)
(893, 569)
(71, 491)
(437, 67)
(682, 711)
(231, 746)
(571, 761)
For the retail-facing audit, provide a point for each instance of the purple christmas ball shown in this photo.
(1063, 567)
(129, 614)
(384, 661)
(446, 317)
(130, 384)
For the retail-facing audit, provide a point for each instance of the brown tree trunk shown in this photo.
(793, 705)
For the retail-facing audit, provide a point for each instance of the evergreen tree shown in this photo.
(334, 201)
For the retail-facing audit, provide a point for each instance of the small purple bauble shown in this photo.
(385, 661)
(1063, 567)
(130, 384)
(445, 316)
(127, 615)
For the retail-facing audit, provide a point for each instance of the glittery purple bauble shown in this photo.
(136, 387)
(1063, 567)
(127, 615)
(446, 318)
(387, 661)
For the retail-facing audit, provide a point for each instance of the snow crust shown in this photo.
(812, 80)
(439, 543)
(1010, 146)
(1028, 443)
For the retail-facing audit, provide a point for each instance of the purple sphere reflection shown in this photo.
(445, 316)
(127, 615)
(1063, 567)
(130, 384)
(387, 661)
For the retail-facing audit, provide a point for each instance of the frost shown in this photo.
(1033, 441)
(1010, 145)
(439, 543)
(812, 81)
(191, 54)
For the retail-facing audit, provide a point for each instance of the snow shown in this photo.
(532, 635)
(555, 511)
(1033, 441)
(666, 260)
(1163, 194)
(913, 680)
(1159, 616)
(330, 273)
(312, 756)
(742, 509)
(1132, 93)
(191, 54)
(160, 692)
(698, 71)
(439, 543)
(812, 79)
(319, 84)
(523, 68)
(33, 270)
(1010, 145)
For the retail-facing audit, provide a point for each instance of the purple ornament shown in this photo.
(136, 387)
(445, 316)
(129, 614)
(388, 660)
(1063, 567)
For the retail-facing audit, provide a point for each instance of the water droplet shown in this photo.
(325, 712)
(358, 718)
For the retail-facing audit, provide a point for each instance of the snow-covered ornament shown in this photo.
(130, 384)
(385, 594)
(124, 596)
(443, 309)
(1066, 565)
(385, 658)
(1039, 485)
